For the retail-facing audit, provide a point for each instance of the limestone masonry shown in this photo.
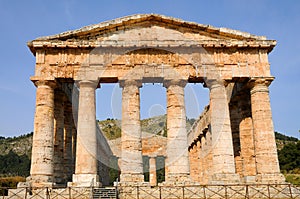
(232, 142)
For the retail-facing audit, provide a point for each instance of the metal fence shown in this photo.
(269, 191)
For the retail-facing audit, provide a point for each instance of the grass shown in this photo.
(293, 178)
(11, 181)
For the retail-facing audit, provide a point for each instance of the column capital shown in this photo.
(178, 82)
(87, 83)
(50, 83)
(152, 156)
(130, 82)
(260, 81)
(214, 83)
(259, 85)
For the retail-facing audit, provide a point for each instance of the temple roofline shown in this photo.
(137, 18)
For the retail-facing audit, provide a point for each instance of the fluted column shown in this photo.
(199, 161)
(86, 149)
(247, 138)
(152, 171)
(58, 158)
(74, 144)
(177, 161)
(223, 158)
(207, 157)
(265, 146)
(131, 140)
(68, 131)
(41, 171)
(194, 161)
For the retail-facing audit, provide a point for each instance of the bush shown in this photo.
(14, 165)
(289, 157)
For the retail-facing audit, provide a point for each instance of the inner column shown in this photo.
(247, 138)
(223, 157)
(131, 140)
(58, 158)
(86, 149)
(177, 161)
(68, 130)
(152, 171)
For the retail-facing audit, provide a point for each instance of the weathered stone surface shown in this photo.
(68, 155)
(58, 156)
(177, 162)
(42, 148)
(231, 142)
(86, 149)
(152, 171)
(266, 151)
(223, 157)
(131, 144)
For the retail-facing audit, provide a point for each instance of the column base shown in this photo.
(38, 181)
(134, 177)
(178, 179)
(249, 179)
(225, 178)
(273, 178)
(85, 180)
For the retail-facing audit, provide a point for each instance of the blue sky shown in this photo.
(22, 21)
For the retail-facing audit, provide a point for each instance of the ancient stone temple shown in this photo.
(231, 142)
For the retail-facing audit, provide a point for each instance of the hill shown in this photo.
(15, 155)
(154, 125)
(20, 145)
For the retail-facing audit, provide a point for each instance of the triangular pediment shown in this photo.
(151, 27)
(147, 20)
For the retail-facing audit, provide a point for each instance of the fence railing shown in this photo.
(46, 193)
(269, 191)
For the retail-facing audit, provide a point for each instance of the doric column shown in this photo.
(265, 146)
(223, 158)
(195, 160)
(41, 171)
(247, 138)
(199, 160)
(68, 131)
(86, 149)
(74, 144)
(152, 171)
(207, 157)
(58, 158)
(235, 119)
(131, 140)
(177, 161)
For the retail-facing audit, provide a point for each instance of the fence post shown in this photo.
(2, 192)
(69, 191)
(226, 195)
(182, 192)
(47, 193)
(204, 193)
(137, 192)
(290, 189)
(25, 197)
(159, 192)
(116, 187)
(269, 191)
(247, 191)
